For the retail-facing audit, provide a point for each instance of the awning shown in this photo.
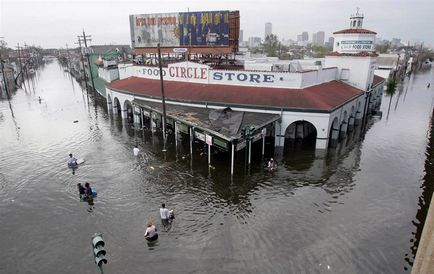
(224, 123)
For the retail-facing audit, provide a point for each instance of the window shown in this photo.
(345, 74)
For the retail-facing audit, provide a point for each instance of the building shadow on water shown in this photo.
(424, 200)
(299, 165)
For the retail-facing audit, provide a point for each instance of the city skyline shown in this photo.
(52, 27)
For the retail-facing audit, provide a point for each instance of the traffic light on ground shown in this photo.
(98, 249)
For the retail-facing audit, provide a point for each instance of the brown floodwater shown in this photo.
(355, 209)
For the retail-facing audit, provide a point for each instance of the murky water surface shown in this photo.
(350, 211)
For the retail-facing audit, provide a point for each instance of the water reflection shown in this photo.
(345, 211)
(424, 200)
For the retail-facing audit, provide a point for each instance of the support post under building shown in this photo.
(250, 151)
(232, 158)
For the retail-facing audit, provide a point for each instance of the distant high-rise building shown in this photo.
(268, 29)
(318, 38)
(305, 36)
(299, 38)
(331, 41)
(254, 42)
(240, 39)
(396, 42)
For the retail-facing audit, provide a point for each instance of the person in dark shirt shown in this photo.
(81, 189)
(88, 190)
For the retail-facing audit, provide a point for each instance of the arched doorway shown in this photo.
(343, 127)
(334, 133)
(109, 103)
(299, 146)
(129, 111)
(117, 106)
(351, 119)
(300, 135)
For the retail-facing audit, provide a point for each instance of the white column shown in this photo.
(209, 154)
(279, 133)
(343, 131)
(250, 151)
(232, 158)
(191, 141)
(176, 136)
(141, 117)
(264, 132)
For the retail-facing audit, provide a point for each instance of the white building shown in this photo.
(318, 38)
(321, 99)
(268, 29)
(254, 42)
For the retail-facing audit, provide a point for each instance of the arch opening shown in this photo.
(129, 115)
(334, 133)
(117, 106)
(300, 135)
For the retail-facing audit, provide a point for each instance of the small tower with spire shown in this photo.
(354, 53)
(355, 39)
(356, 20)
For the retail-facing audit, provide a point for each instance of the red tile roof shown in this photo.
(364, 31)
(322, 97)
(377, 80)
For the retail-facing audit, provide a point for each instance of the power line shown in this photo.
(84, 38)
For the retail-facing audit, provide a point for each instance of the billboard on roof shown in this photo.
(206, 28)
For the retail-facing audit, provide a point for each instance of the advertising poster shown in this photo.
(210, 28)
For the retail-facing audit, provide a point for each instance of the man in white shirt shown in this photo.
(72, 162)
(136, 150)
(164, 214)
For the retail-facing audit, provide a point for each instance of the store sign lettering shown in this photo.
(188, 72)
(356, 45)
(201, 73)
(243, 77)
(152, 72)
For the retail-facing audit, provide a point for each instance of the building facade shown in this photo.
(322, 100)
(268, 29)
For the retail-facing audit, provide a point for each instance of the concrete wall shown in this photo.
(321, 121)
(361, 69)
(197, 73)
(108, 75)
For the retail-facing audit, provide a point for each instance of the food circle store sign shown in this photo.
(356, 45)
(198, 73)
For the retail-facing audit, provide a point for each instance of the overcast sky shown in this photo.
(53, 23)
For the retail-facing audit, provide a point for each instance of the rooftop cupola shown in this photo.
(356, 20)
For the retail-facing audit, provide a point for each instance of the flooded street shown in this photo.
(353, 210)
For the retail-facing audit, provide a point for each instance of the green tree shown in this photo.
(383, 48)
(319, 51)
(390, 91)
(4, 50)
(271, 45)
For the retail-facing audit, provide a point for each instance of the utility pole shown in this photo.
(4, 78)
(160, 65)
(3, 73)
(82, 62)
(19, 60)
(25, 65)
(84, 38)
(69, 59)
